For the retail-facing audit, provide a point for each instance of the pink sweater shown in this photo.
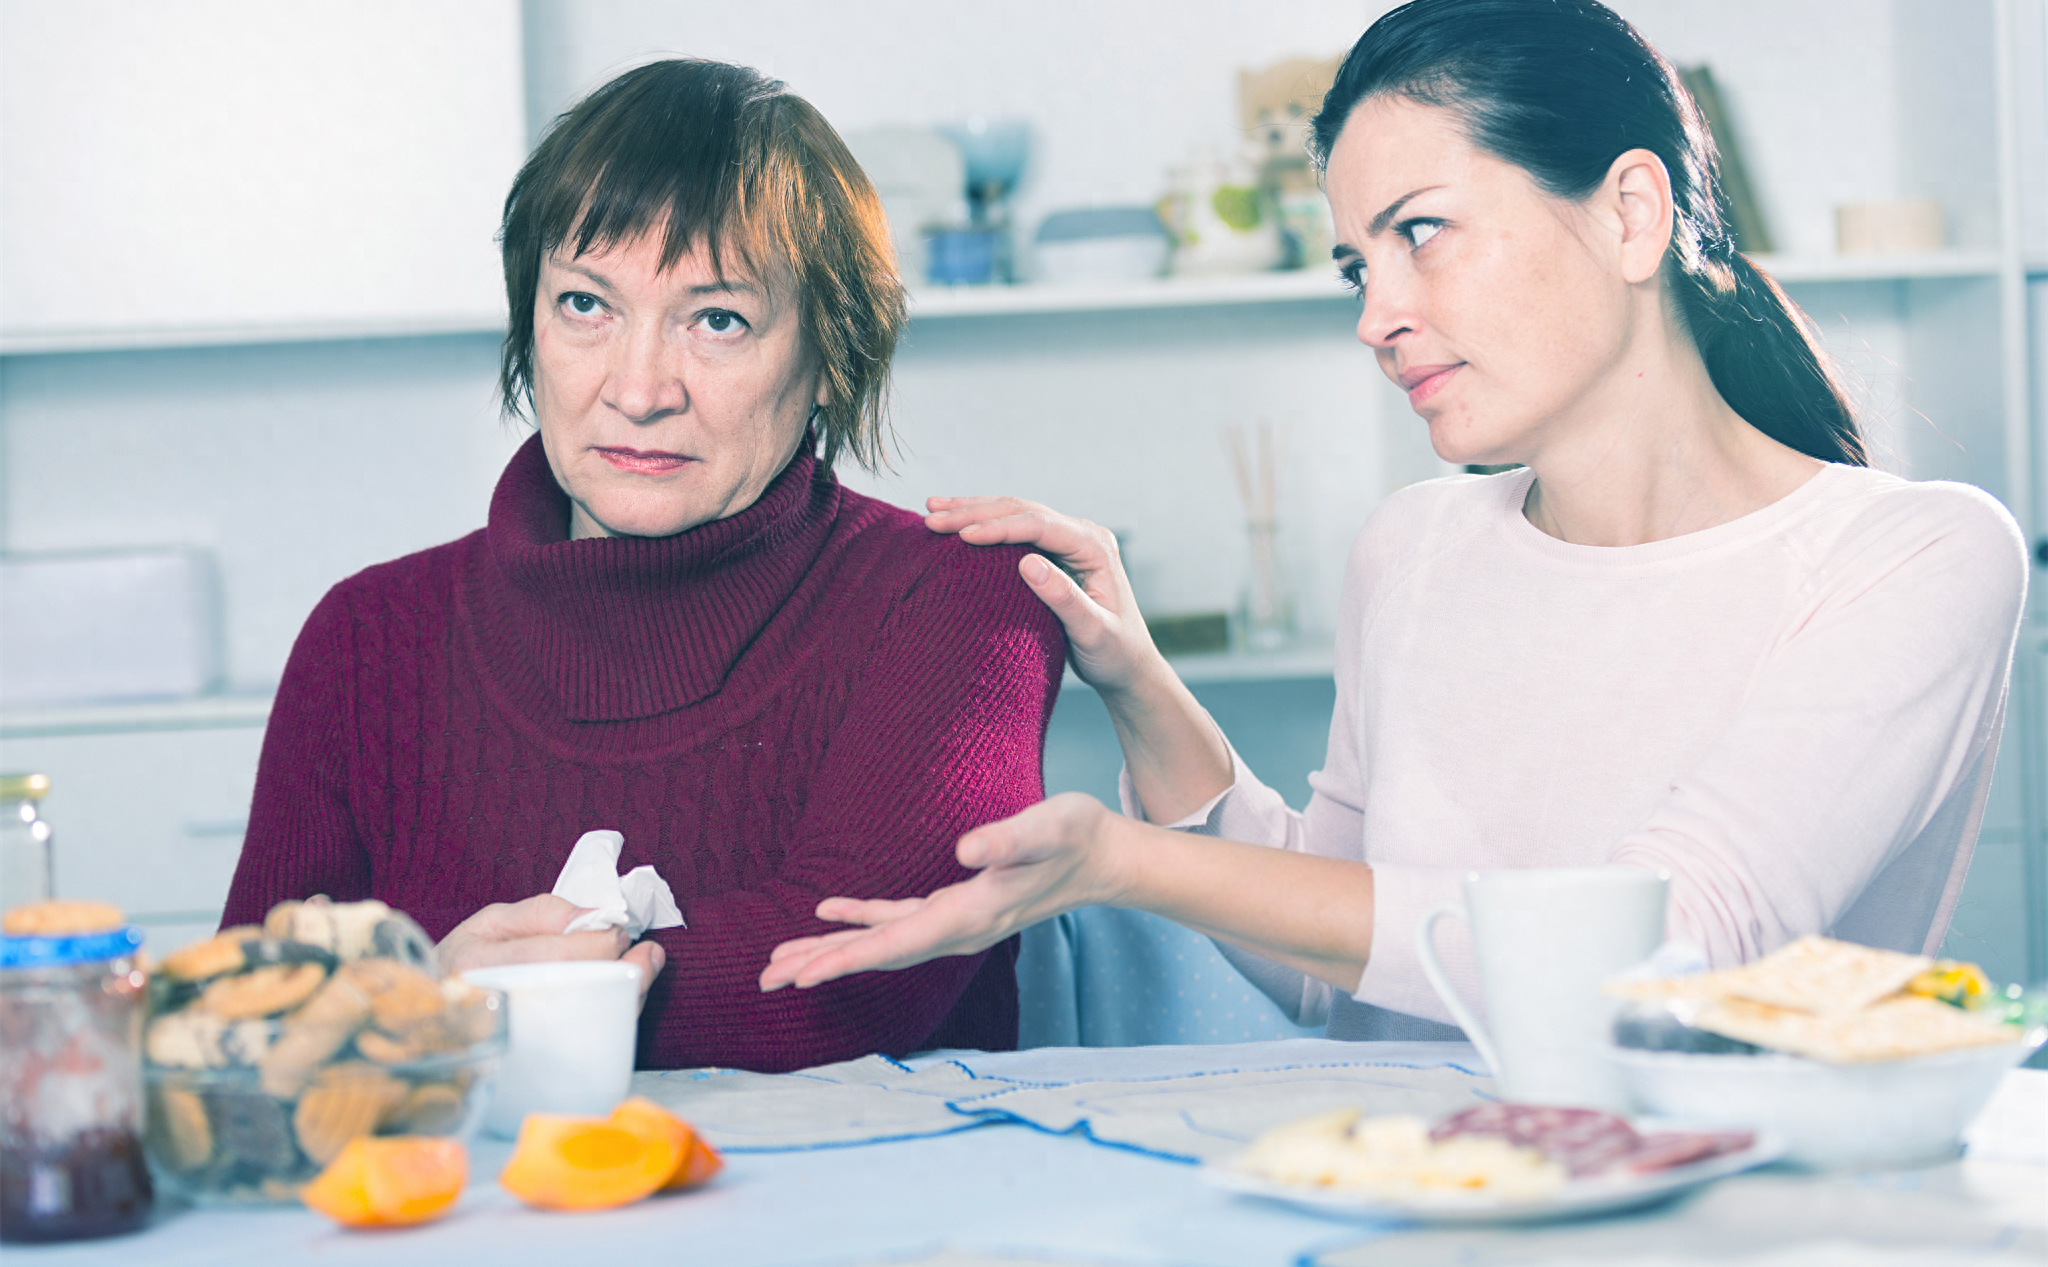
(1794, 714)
(815, 696)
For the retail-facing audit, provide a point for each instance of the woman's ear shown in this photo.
(1638, 194)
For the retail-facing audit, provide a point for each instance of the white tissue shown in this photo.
(636, 901)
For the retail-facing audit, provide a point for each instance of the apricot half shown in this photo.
(586, 1163)
(390, 1182)
(699, 1160)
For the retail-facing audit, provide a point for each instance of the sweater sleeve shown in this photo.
(302, 837)
(1877, 711)
(943, 733)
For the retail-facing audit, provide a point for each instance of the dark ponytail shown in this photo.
(1561, 88)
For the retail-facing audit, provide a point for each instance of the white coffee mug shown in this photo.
(571, 1033)
(1545, 939)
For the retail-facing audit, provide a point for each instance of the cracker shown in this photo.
(1824, 977)
(60, 919)
(1892, 1029)
(1814, 974)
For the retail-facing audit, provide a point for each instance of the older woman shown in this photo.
(677, 623)
(1693, 633)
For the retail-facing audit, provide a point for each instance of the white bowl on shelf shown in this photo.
(1885, 1115)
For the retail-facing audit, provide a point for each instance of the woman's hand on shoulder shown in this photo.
(1087, 590)
(531, 932)
(1051, 858)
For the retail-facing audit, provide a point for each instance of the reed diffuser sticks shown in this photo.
(1266, 612)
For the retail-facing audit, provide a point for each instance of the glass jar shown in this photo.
(71, 1014)
(27, 870)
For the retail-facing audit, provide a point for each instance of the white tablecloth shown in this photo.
(1004, 1192)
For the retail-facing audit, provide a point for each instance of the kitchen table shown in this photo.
(1065, 1155)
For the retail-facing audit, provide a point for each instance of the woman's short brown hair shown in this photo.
(719, 154)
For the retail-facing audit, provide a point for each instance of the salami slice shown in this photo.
(1666, 1149)
(1583, 1141)
(1588, 1141)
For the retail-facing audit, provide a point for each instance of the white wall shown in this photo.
(301, 463)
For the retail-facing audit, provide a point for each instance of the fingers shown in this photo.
(853, 910)
(603, 944)
(541, 915)
(650, 958)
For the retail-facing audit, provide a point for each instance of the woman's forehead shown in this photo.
(736, 263)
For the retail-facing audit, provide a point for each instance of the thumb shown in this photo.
(1055, 588)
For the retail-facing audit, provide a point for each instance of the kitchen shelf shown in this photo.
(1879, 268)
(1309, 285)
(1320, 284)
(202, 712)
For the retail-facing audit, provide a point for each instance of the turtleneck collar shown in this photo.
(621, 628)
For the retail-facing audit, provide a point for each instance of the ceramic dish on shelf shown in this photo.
(1577, 1198)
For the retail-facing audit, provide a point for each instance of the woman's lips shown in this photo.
(643, 461)
(1425, 381)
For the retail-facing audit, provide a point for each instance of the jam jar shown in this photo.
(71, 1108)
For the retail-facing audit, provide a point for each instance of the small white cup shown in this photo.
(572, 1028)
(1545, 939)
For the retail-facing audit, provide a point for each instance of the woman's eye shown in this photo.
(583, 305)
(1353, 277)
(719, 321)
(1420, 231)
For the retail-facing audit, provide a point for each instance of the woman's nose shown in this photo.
(646, 382)
(1386, 314)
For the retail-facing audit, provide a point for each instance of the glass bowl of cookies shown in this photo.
(269, 1047)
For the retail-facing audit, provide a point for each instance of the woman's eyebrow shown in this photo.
(726, 286)
(571, 266)
(1385, 218)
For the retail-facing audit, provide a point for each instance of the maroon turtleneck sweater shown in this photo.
(815, 696)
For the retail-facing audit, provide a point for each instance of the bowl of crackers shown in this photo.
(1860, 1058)
(269, 1047)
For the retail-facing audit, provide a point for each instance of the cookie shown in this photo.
(345, 1101)
(216, 956)
(322, 1026)
(346, 930)
(200, 1040)
(431, 1109)
(384, 1049)
(268, 991)
(60, 919)
(179, 1127)
(400, 995)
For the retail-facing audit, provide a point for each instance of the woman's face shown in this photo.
(665, 399)
(1490, 302)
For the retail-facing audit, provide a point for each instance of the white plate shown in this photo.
(1599, 1194)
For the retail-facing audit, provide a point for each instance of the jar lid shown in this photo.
(55, 952)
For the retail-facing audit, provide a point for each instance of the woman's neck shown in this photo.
(1653, 452)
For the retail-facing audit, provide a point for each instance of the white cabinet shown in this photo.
(183, 171)
(150, 820)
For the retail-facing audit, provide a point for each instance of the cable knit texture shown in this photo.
(815, 696)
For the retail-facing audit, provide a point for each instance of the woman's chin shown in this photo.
(636, 520)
